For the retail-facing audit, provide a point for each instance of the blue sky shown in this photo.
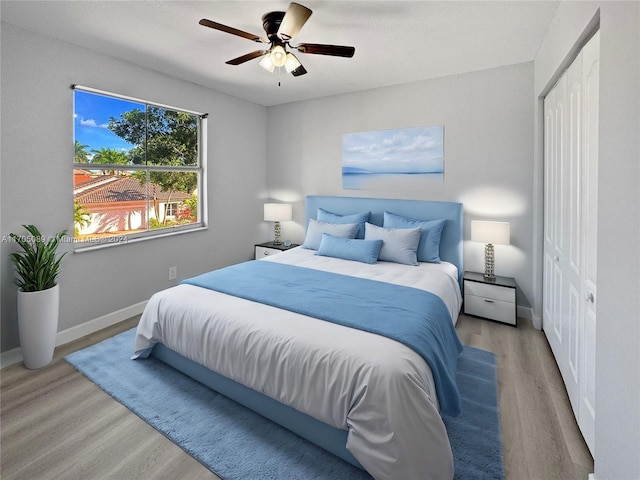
(407, 150)
(91, 117)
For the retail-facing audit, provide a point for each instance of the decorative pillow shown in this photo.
(316, 229)
(429, 246)
(359, 218)
(399, 244)
(365, 251)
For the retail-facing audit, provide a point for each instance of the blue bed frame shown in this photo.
(325, 436)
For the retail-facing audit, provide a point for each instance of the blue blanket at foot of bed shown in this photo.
(416, 318)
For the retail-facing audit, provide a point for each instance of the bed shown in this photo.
(369, 399)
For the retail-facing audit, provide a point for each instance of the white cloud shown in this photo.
(406, 150)
(91, 123)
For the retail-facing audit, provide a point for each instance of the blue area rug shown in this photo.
(238, 444)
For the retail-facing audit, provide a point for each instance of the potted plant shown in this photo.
(37, 268)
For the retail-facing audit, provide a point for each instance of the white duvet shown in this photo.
(379, 390)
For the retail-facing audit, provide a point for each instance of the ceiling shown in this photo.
(396, 42)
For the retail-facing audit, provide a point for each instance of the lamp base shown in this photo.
(489, 274)
(276, 230)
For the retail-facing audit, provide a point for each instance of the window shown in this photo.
(172, 209)
(138, 168)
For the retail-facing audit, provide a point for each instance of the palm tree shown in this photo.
(109, 156)
(81, 154)
(81, 217)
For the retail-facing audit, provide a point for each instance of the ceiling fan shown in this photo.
(281, 28)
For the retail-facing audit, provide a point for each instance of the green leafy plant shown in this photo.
(37, 265)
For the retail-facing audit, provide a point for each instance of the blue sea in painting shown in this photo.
(389, 181)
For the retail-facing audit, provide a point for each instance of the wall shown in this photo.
(37, 154)
(617, 431)
(488, 130)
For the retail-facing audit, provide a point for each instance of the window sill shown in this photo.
(88, 247)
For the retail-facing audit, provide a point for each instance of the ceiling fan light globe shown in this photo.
(278, 56)
(292, 63)
(267, 64)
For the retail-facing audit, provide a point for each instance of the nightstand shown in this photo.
(270, 248)
(493, 299)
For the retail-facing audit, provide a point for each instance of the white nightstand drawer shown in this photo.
(489, 308)
(265, 252)
(493, 292)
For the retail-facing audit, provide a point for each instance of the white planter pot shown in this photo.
(38, 325)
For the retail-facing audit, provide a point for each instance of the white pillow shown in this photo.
(316, 229)
(399, 245)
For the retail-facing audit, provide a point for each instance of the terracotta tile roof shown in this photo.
(113, 188)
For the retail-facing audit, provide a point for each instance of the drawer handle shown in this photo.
(488, 301)
(266, 252)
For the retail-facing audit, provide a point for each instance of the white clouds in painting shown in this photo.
(409, 150)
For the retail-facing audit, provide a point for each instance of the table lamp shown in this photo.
(490, 233)
(277, 212)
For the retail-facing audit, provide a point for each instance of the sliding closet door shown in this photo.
(591, 83)
(570, 229)
(554, 213)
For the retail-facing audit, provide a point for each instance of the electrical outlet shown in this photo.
(173, 273)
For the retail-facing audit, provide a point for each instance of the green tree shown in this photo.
(168, 138)
(161, 138)
(81, 154)
(81, 217)
(109, 156)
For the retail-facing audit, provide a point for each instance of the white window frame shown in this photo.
(200, 170)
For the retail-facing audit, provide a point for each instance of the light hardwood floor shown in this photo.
(56, 424)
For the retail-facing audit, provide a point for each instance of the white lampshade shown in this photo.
(292, 63)
(278, 56)
(277, 212)
(497, 233)
(267, 63)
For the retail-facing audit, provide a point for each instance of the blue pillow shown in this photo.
(399, 245)
(360, 218)
(316, 229)
(429, 246)
(365, 251)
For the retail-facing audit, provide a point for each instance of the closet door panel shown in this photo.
(591, 82)
(570, 229)
(554, 323)
(572, 267)
(552, 300)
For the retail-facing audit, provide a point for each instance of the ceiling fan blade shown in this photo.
(231, 30)
(320, 49)
(294, 19)
(247, 57)
(298, 71)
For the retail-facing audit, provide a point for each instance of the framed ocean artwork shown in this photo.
(401, 159)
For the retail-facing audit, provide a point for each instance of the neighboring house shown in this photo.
(81, 176)
(123, 204)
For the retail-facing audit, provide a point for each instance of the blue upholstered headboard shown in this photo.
(450, 243)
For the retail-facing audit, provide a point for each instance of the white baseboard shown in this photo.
(10, 357)
(524, 312)
(99, 323)
(14, 356)
(592, 476)
(536, 320)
